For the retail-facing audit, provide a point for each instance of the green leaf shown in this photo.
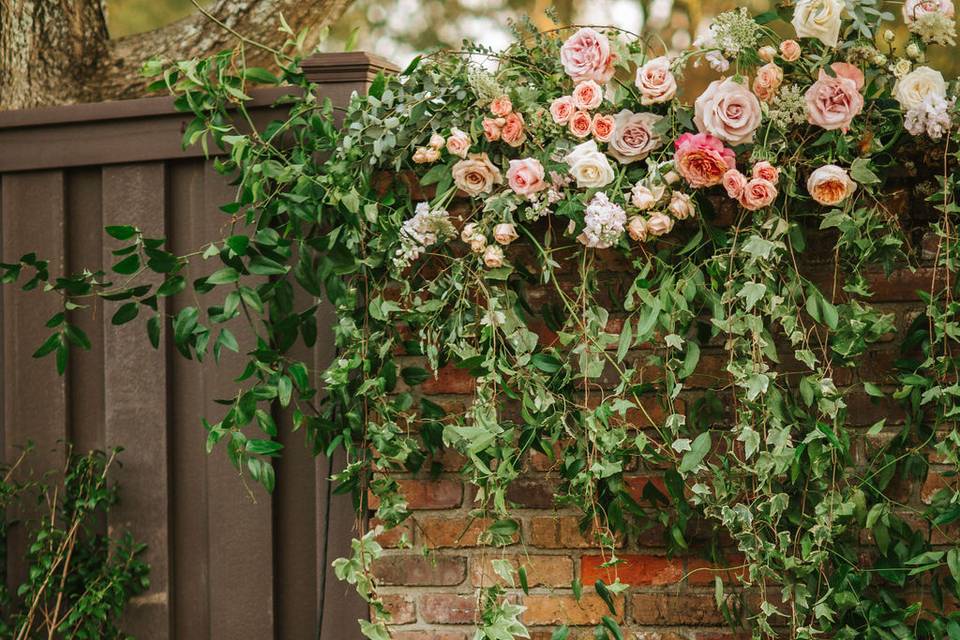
(125, 313)
(261, 75)
(560, 633)
(128, 265)
(752, 292)
(546, 362)
(121, 231)
(860, 171)
(699, 448)
(606, 596)
(48, 345)
(153, 331)
(414, 375)
(223, 276)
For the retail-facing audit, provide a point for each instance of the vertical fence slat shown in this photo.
(33, 212)
(136, 416)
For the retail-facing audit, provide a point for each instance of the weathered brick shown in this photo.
(433, 634)
(534, 492)
(402, 609)
(559, 532)
(702, 572)
(449, 379)
(934, 483)
(565, 609)
(416, 570)
(427, 493)
(452, 531)
(390, 538)
(634, 569)
(671, 608)
(542, 571)
(448, 608)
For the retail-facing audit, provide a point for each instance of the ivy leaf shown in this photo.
(752, 292)
(860, 171)
(698, 451)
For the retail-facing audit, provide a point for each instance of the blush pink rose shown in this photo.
(734, 182)
(458, 143)
(633, 136)
(790, 50)
(656, 82)
(562, 109)
(492, 128)
(586, 56)
(768, 80)
(728, 111)
(587, 95)
(913, 9)
(659, 224)
(602, 127)
(501, 106)
(637, 228)
(833, 101)
(767, 53)
(703, 159)
(525, 176)
(513, 132)
(757, 194)
(767, 171)
(581, 124)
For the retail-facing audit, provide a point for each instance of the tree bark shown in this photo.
(59, 51)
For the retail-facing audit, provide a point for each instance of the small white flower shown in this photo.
(605, 222)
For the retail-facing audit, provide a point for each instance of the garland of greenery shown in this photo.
(569, 147)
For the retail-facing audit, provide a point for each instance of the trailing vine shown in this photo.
(465, 215)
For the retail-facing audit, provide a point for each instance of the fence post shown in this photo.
(313, 595)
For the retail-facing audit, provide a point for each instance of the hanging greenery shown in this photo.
(452, 191)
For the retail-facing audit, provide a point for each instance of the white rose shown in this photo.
(818, 19)
(588, 166)
(913, 88)
(505, 233)
(681, 206)
(493, 257)
(830, 185)
(643, 198)
(469, 231)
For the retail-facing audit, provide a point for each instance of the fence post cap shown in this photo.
(345, 67)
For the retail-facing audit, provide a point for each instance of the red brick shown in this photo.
(449, 379)
(633, 570)
(542, 571)
(402, 609)
(390, 538)
(453, 532)
(559, 532)
(933, 484)
(448, 608)
(702, 572)
(637, 484)
(427, 494)
(533, 492)
(671, 608)
(565, 609)
(418, 570)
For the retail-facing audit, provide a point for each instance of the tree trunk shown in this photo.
(59, 52)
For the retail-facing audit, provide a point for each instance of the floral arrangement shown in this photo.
(473, 179)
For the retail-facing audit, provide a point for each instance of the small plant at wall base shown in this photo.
(78, 579)
(461, 221)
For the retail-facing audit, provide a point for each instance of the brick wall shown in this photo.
(671, 598)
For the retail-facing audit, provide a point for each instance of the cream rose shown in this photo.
(525, 177)
(818, 19)
(637, 228)
(493, 257)
(458, 143)
(633, 137)
(562, 109)
(643, 197)
(913, 88)
(656, 82)
(659, 224)
(727, 110)
(588, 166)
(476, 174)
(587, 95)
(767, 53)
(505, 233)
(830, 185)
(681, 206)
(436, 141)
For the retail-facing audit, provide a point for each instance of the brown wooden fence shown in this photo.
(223, 565)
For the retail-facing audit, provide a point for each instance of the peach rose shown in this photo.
(426, 155)
(830, 185)
(436, 141)
(681, 206)
(505, 233)
(493, 257)
(472, 235)
(833, 101)
(586, 56)
(768, 80)
(501, 106)
(659, 224)
(703, 159)
(637, 228)
(492, 128)
(513, 132)
(767, 171)
(458, 143)
(587, 95)
(476, 174)
(643, 197)
(767, 53)
(656, 82)
(562, 109)
(913, 9)
(581, 124)
(525, 177)
(728, 111)
(602, 127)
(790, 50)
(757, 194)
(734, 182)
(633, 137)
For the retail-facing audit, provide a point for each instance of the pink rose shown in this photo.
(681, 206)
(659, 224)
(913, 9)
(588, 95)
(768, 80)
(458, 143)
(602, 127)
(702, 159)
(581, 124)
(767, 171)
(757, 194)
(637, 228)
(525, 176)
(633, 137)
(586, 56)
(561, 109)
(501, 106)
(492, 128)
(832, 102)
(830, 185)
(728, 111)
(790, 50)
(513, 133)
(656, 82)
(734, 182)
